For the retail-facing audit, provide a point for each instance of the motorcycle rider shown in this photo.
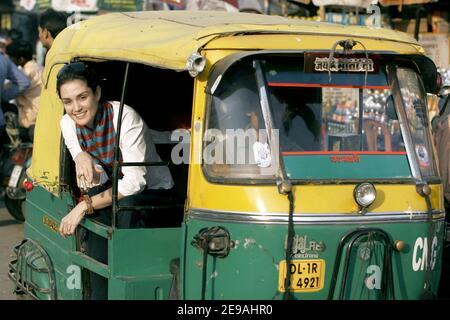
(21, 53)
(441, 131)
(17, 83)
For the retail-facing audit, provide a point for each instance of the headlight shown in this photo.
(365, 194)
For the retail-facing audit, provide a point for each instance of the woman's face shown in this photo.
(80, 102)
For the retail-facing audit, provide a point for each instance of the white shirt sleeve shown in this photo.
(132, 145)
(133, 148)
(69, 133)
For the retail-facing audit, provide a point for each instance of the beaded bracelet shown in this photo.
(90, 208)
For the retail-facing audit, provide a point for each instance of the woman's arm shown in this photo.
(84, 163)
(18, 79)
(133, 148)
(70, 222)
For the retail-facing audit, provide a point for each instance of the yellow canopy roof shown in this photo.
(167, 38)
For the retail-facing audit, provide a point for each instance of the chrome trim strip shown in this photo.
(309, 218)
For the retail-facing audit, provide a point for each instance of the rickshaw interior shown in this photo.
(145, 86)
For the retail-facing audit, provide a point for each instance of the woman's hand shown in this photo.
(84, 166)
(97, 174)
(70, 222)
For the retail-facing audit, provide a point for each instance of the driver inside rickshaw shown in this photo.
(296, 114)
(237, 119)
(236, 108)
(89, 131)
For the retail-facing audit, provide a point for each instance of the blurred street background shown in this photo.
(11, 233)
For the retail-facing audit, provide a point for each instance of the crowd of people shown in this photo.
(20, 74)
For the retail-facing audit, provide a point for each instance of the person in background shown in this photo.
(18, 83)
(211, 5)
(15, 35)
(4, 40)
(21, 53)
(7, 37)
(51, 23)
(441, 135)
(250, 6)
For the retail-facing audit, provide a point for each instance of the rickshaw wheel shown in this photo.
(16, 207)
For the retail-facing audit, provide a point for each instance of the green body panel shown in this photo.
(151, 250)
(140, 262)
(356, 167)
(251, 269)
(140, 288)
(139, 259)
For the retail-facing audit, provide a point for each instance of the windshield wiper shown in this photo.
(283, 184)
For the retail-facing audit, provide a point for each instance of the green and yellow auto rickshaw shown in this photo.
(301, 154)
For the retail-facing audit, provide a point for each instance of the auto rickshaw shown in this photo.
(337, 194)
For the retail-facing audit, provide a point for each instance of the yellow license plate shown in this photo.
(306, 275)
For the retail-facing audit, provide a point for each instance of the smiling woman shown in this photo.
(88, 128)
(79, 92)
(79, 103)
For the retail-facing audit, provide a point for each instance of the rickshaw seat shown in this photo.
(157, 208)
(166, 208)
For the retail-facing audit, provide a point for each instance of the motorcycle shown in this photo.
(15, 160)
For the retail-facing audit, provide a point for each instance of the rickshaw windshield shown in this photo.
(338, 125)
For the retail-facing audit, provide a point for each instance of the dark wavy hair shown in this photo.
(20, 49)
(77, 71)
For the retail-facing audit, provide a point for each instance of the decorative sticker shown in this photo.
(262, 155)
(422, 155)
